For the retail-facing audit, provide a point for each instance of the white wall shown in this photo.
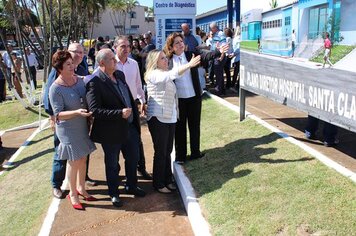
(303, 25)
(295, 20)
(272, 33)
(106, 26)
(348, 23)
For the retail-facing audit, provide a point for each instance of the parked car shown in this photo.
(12, 43)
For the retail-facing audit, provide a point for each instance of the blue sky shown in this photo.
(207, 5)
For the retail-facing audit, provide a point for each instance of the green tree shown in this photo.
(121, 8)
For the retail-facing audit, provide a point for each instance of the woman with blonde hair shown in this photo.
(162, 113)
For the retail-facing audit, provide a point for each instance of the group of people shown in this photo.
(105, 107)
(12, 69)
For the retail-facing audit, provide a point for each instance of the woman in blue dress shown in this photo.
(67, 97)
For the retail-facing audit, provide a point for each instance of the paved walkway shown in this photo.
(155, 214)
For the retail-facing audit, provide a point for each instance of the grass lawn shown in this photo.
(252, 182)
(13, 114)
(337, 53)
(25, 190)
(249, 45)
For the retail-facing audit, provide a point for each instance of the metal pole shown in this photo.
(242, 103)
(230, 13)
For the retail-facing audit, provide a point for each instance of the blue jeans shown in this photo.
(58, 167)
(130, 151)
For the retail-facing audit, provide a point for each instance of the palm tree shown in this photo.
(118, 7)
(273, 4)
(149, 15)
(130, 5)
(122, 8)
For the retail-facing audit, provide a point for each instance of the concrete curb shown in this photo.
(23, 146)
(199, 225)
(321, 157)
(27, 126)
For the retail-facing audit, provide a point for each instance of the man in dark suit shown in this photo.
(116, 124)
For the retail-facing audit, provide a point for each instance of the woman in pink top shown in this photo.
(327, 46)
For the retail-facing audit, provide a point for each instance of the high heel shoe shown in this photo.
(77, 206)
(88, 199)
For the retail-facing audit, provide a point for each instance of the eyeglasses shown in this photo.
(75, 51)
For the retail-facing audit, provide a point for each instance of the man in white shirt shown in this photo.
(32, 63)
(133, 79)
(293, 42)
(7, 60)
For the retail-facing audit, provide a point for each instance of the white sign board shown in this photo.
(169, 15)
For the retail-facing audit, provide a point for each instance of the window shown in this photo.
(287, 20)
(317, 21)
(133, 15)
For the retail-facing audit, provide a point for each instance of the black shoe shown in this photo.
(145, 175)
(116, 201)
(90, 182)
(57, 193)
(201, 155)
(331, 144)
(138, 192)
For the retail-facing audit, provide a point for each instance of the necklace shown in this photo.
(75, 90)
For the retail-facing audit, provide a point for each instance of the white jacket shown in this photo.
(162, 101)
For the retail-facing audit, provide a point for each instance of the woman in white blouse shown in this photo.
(162, 113)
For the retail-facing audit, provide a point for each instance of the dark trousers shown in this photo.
(236, 73)
(227, 67)
(211, 71)
(33, 75)
(189, 110)
(9, 78)
(329, 130)
(58, 167)
(162, 136)
(130, 152)
(141, 165)
(2, 90)
(219, 74)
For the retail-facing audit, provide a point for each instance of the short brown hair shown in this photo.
(228, 32)
(168, 48)
(59, 58)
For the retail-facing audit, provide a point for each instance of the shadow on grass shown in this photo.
(15, 164)
(40, 140)
(35, 111)
(217, 168)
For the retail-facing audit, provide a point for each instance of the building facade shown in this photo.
(111, 22)
(310, 19)
(219, 15)
(251, 25)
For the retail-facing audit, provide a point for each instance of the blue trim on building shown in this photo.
(311, 3)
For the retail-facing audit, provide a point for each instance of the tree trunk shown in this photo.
(45, 43)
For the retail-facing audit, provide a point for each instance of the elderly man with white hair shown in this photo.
(116, 124)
